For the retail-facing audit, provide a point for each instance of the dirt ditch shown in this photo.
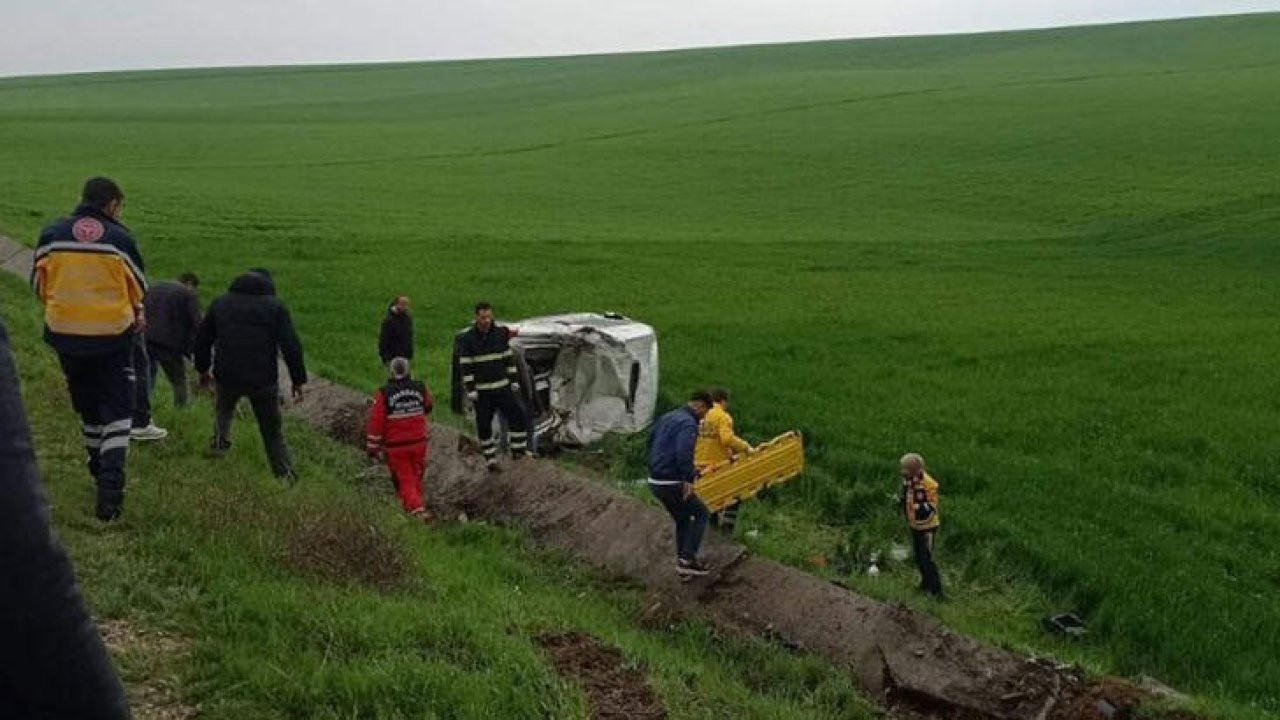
(613, 689)
(906, 660)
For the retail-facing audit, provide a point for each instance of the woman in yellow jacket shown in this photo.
(718, 443)
(920, 506)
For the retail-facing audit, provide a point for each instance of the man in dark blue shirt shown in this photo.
(671, 478)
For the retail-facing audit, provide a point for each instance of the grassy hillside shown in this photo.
(324, 601)
(1045, 260)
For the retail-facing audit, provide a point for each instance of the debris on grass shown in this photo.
(1067, 624)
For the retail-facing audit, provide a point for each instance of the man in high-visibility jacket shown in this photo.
(89, 276)
(717, 443)
(398, 432)
(920, 507)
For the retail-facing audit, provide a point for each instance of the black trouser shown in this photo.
(102, 390)
(142, 385)
(690, 515)
(175, 369)
(266, 409)
(922, 548)
(503, 400)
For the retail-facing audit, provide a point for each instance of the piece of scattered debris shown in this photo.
(1106, 709)
(1065, 624)
(1159, 689)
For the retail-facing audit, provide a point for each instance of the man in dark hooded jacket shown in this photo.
(241, 336)
(396, 337)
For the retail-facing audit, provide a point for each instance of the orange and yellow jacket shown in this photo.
(920, 502)
(716, 439)
(89, 276)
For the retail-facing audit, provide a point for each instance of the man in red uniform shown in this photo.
(398, 432)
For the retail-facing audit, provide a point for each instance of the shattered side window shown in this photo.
(633, 385)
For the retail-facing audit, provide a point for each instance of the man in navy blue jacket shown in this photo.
(671, 478)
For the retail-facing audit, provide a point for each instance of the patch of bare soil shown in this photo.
(342, 546)
(150, 684)
(613, 689)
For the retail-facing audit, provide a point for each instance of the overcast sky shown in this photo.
(56, 36)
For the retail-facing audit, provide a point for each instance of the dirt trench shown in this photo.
(903, 659)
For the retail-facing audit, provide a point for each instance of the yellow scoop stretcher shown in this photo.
(741, 478)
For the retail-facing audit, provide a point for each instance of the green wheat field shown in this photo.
(1047, 261)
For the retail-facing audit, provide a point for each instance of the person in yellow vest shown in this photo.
(717, 442)
(920, 507)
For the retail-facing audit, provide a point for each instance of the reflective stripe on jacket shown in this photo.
(486, 359)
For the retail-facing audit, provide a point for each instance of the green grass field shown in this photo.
(1045, 260)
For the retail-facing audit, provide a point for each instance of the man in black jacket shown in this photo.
(241, 336)
(396, 337)
(52, 662)
(173, 316)
(491, 380)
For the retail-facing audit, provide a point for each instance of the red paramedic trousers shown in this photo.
(407, 465)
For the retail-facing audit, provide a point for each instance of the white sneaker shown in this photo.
(148, 433)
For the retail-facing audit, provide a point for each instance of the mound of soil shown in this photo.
(613, 689)
(342, 547)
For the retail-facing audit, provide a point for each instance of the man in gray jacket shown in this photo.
(173, 316)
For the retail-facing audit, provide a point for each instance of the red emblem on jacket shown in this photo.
(87, 230)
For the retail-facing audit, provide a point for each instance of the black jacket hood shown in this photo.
(252, 283)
